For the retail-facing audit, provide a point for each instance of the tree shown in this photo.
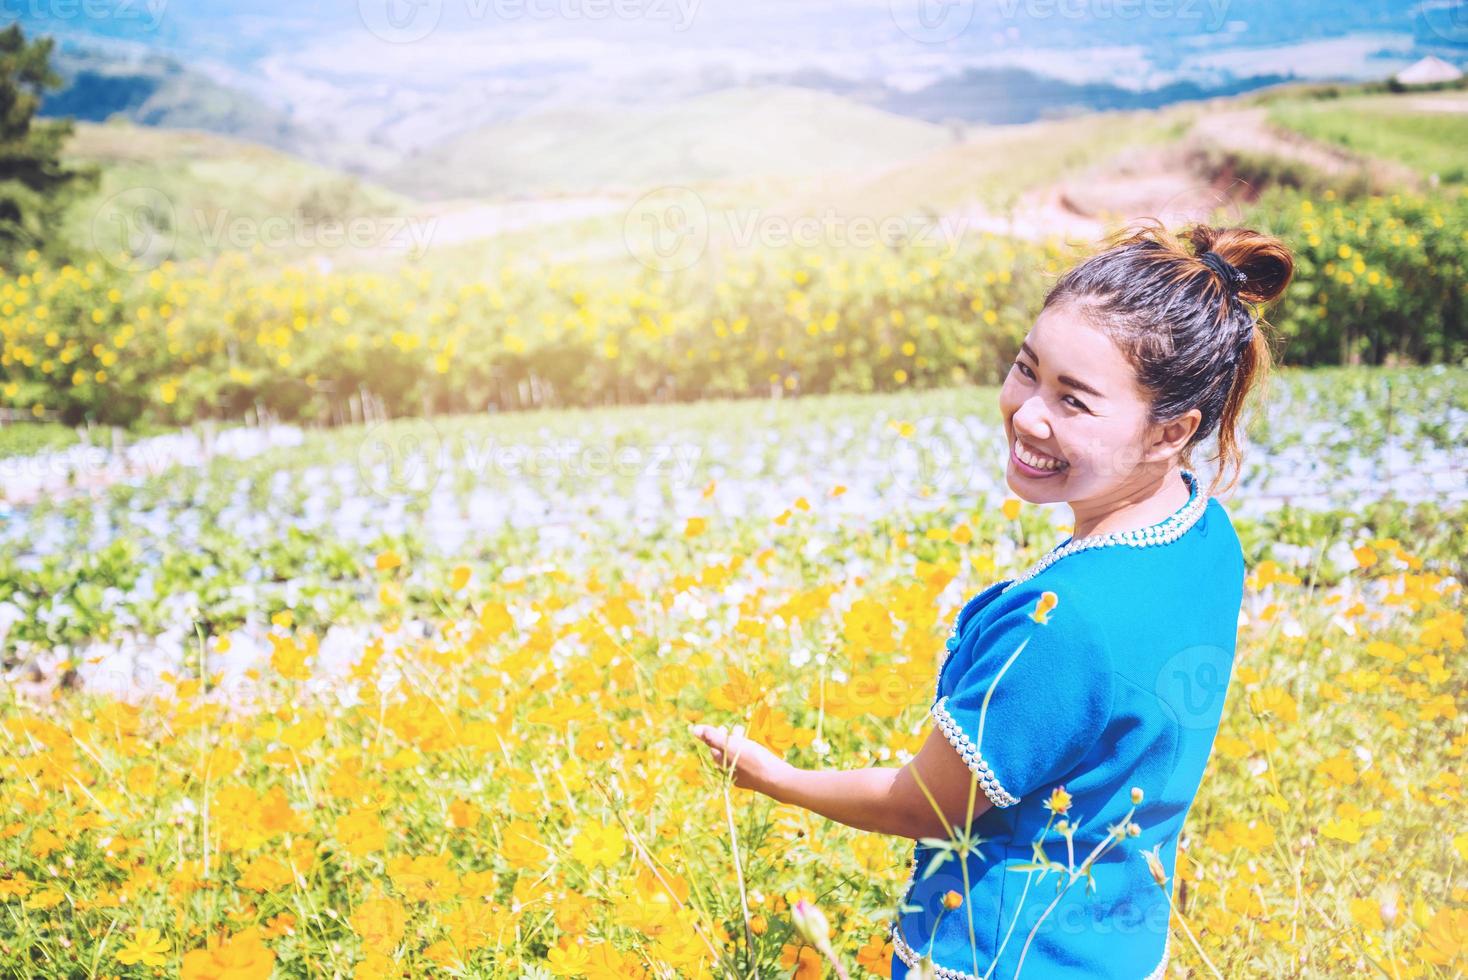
(35, 187)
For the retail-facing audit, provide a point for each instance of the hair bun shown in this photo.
(1263, 260)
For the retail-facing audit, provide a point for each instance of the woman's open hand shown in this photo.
(754, 766)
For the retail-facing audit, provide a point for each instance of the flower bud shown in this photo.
(1136, 794)
(1154, 864)
(1389, 909)
(811, 924)
(952, 900)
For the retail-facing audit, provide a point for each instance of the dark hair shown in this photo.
(1186, 325)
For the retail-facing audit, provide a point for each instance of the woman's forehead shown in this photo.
(1063, 341)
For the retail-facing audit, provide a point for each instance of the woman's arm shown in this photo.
(880, 799)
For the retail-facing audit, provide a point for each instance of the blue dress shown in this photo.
(1121, 686)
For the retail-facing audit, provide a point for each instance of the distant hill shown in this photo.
(749, 132)
(1014, 95)
(155, 90)
(201, 194)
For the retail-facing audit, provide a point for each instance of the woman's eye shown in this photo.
(1027, 373)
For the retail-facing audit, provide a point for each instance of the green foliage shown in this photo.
(1375, 278)
(1378, 279)
(35, 189)
(1429, 142)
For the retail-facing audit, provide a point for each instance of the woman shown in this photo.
(1077, 705)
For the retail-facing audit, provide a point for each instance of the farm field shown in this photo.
(413, 697)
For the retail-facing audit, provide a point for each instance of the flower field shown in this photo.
(117, 344)
(413, 699)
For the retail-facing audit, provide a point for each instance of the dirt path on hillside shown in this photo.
(1165, 182)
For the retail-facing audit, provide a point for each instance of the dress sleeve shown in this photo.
(1033, 696)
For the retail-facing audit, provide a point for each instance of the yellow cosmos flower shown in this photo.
(380, 922)
(147, 947)
(598, 845)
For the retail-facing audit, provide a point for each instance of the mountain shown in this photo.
(156, 90)
(1004, 96)
(744, 132)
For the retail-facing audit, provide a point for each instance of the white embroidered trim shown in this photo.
(971, 756)
(909, 956)
(1163, 532)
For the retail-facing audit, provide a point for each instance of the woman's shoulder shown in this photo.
(1055, 600)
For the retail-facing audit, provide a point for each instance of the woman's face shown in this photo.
(1072, 397)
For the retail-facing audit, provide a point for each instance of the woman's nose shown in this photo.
(1030, 420)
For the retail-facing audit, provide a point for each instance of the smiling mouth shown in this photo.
(1035, 460)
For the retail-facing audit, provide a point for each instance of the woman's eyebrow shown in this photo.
(1065, 379)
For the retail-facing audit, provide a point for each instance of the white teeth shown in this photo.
(1038, 462)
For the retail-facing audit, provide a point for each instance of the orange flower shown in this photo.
(241, 957)
(380, 922)
(1446, 937)
(1047, 602)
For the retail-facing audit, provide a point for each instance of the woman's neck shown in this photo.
(1136, 506)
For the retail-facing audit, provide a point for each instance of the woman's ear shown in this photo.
(1167, 439)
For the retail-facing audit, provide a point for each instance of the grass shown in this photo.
(1386, 127)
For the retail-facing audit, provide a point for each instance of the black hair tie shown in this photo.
(1233, 278)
